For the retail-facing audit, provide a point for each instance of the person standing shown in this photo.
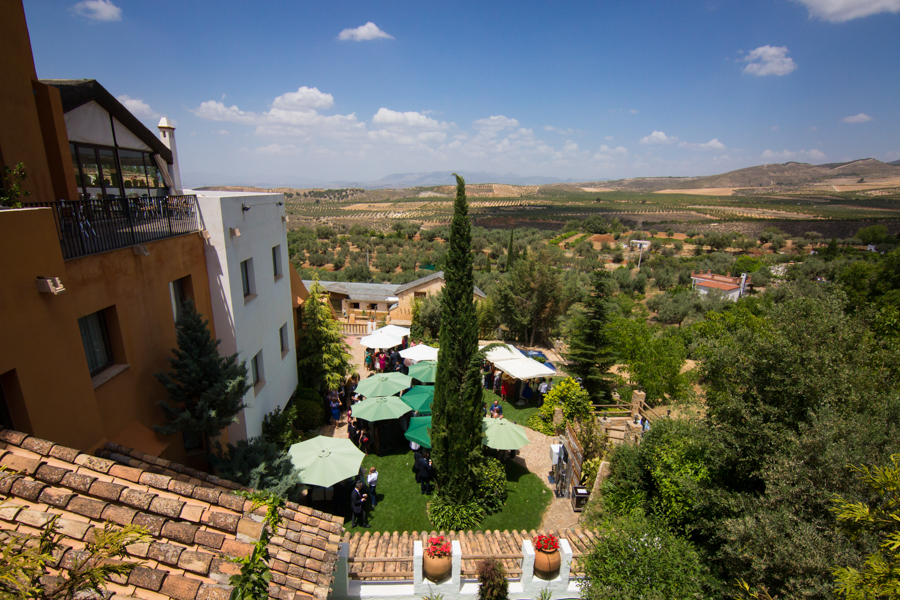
(382, 362)
(356, 505)
(424, 473)
(525, 398)
(372, 481)
(335, 405)
(543, 389)
(497, 381)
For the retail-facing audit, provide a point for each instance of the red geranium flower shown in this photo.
(546, 543)
(438, 547)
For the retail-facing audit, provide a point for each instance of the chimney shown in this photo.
(167, 135)
(743, 283)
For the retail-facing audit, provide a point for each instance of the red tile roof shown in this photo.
(196, 521)
(717, 285)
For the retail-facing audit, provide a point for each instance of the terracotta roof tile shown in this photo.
(194, 518)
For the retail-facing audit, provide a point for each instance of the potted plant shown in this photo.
(438, 559)
(546, 556)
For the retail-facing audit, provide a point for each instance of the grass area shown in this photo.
(401, 505)
(511, 412)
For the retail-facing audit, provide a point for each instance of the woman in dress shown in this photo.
(335, 404)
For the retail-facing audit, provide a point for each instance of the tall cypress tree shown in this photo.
(590, 343)
(510, 251)
(456, 410)
(323, 356)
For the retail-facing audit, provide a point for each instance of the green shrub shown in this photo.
(309, 415)
(491, 478)
(492, 583)
(279, 427)
(447, 516)
(258, 464)
(589, 470)
(571, 397)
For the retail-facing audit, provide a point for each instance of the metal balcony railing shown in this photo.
(91, 226)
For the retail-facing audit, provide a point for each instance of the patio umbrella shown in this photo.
(383, 384)
(425, 371)
(380, 408)
(324, 461)
(380, 339)
(418, 431)
(419, 398)
(420, 352)
(501, 434)
(393, 330)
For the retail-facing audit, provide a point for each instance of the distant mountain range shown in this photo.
(771, 175)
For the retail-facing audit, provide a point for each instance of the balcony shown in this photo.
(90, 226)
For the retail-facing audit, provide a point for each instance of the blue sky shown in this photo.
(314, 92)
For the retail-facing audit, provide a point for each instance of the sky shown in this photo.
(307, 93)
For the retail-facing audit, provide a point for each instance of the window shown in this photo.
(256, 370)
(95, 337)
(179, 291)
(373, 307)
(354, 305)
(276, 261)
(97, 172)
(247, 279)
(283, 338)
(421, 294)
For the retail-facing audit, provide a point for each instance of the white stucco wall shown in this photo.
(248, 326)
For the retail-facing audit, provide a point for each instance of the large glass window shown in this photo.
(95, 338)
(134, 176)
(97, 172)
(109, 171)
(90, 171)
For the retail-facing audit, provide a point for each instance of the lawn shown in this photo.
(511, 412)
(401, 505)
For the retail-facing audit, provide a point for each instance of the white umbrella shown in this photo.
(380, 340)
(394, 330)
(420, 352)
(515, 364)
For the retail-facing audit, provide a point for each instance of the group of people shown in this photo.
(423, 470)
(363, 492)
(386, 361)
(524, 392)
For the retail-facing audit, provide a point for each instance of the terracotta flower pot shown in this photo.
(438, 568)
(546, 564)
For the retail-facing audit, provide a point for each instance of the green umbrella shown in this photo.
(424, 371)
(501, 434)
(324, 461)
(418, 431)
(380, 408)
(383, 384)
(419, 398)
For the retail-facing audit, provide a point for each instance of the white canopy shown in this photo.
(380, 339)
(515, 364)
(420, 352)
(394, 330)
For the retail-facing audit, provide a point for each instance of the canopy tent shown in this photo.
(383, 384)
(501, 434)
(515, 364)
(418, 431)
(424, 371)
(419, 398)
(380, 339)
(380, 408)
(420, 352)
(394, 331)
(324, 461)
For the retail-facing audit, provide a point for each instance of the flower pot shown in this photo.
(437, 568)
(546, 564)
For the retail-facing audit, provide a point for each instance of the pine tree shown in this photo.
(323, 357)
(456, 410)
(510, 251)
(206, 390)
(590, 343)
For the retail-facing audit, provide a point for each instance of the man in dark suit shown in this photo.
(357, 498)
(424, 473)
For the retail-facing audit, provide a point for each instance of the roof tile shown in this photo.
(119, 514)
(86, 507)
(206, 494)
(27, 488)
(209, 539)
(152, 523)
(106, 490)
(73, 529)
(55, 497)
(136, 498)
(7, 479)
(249, 530)
(166, 506)
(180, 532)
(33, 518)
(148, 579)
(214, 592)
(165, 553)
(157, 480)
(221, 520)
(127, 473)
(181, 488)
(220, 570)
(21, 464)
(236, 549)
(94, 463)
(139, 549)
(180, 588)
(38, 446)
(232, 501)
(78, 481)
(63, 453)
(195, 562)
(192, 513)
(50, 473)
(9, 511)
(12, 437)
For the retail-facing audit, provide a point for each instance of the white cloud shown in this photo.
(774, 127)
(633, 111)
(223, 132)
(713, 144)
(278, 149)
(389, 118)
(658, 137)
(495, 124)
(892, 156)
(304, 98)
(137, 107)
(98, 10)
(558, 130)
(769, 60)
(860, 118)
(213, 110)
(609, 138)
(838, 11)
(791, 155)
(364, 33)
(605, 153)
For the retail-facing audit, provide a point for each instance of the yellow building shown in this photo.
(90, 288)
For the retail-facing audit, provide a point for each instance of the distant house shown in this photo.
(641, 244)
(392, 301)
(732, 287)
